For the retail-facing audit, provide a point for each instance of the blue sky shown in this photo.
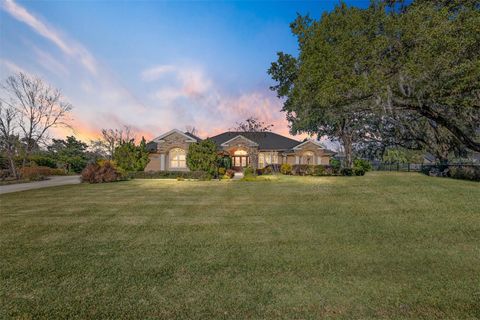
(155, 65)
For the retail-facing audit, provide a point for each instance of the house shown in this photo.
(255, 149)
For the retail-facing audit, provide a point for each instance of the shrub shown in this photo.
(43, 161)
(4, 174)
(361, 163)
(230, 173)
(359, 171)
(221, 171)
(39, 173)
(346, 172)
(168, 174)
(249, 172)
(336, 164)
(435, 170)
(286, 168)
(319, 170)
(202, 156)
(303, 169)
(224, 162)
(465, 172)
(268, 169)
(106, 171)
(299, 169)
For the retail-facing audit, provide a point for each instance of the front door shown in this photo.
(240, 162)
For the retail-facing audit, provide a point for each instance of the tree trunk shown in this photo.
(347, 147)
(13, 168)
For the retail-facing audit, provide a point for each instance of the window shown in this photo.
(307, 158)
(266, 158)
(240, 153)
(177, 158)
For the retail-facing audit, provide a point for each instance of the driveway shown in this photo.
(51, 182)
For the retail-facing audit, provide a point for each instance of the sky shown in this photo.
(155, 65)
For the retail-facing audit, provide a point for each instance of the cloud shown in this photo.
(68, 46)
(192, 98)
(50, 63)
(12, 67)
(156, 72)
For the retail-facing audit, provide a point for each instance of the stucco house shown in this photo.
(255, 149)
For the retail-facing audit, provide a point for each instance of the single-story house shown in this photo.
(255, 149)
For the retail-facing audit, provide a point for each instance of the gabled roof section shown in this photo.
(265, 140)
(253, 143)
(188, 137)
(317, 143)
(193, 136)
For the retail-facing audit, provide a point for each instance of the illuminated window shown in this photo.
(177, 158)
(307, 158)
(240, 153)
(266, 158)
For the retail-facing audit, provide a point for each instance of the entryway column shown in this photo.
(162, 162)
(297, 160)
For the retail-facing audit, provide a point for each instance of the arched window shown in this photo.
(307, 157)
(240, 153)
(177, 158)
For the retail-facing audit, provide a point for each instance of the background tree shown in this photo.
(114, 137)
(9, 140)
(253, 124)
(70, 153)
(192, 130)
(404, 75)
(131, 157)
(435, 67)
(39, 105)
(202, 156)
(327, 88)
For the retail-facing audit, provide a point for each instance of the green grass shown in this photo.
(387, 245)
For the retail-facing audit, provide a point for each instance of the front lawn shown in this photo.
(387, 245)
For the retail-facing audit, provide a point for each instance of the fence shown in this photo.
(397, 166)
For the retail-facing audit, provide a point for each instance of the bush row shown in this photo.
(310, 170)
(201, 175)
(39, 173)
(464, 172)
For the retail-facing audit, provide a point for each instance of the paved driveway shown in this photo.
(51, 182)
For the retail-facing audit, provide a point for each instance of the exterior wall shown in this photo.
(320, 157)
(241, 143)
(291, 159)
(154, 163)
(174, 140)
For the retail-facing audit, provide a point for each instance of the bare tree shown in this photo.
(114, 137)
(9, 141)
(253, 124)
(192, 130)
(40, 107)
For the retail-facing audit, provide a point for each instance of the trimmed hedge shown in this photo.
(314, 170)
(201, 175)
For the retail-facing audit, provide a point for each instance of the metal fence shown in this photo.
(397, 166)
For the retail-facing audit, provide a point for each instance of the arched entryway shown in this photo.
(240, 159)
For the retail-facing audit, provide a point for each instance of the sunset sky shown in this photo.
(154, 65)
